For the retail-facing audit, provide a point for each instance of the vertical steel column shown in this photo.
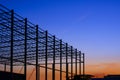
(39, 72)
(66, 61)
(46, 52)
(67, 77)
(53, 67)
(71, 62)
(79, 62)
(53, 71)
(37, 66)
(60, 59)
(83, 65)
(25, 55)
(75, 61)
(11, 55)
(5, 67)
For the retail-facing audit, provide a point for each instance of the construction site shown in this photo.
(25, 47)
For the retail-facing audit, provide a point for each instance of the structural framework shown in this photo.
(23, 44)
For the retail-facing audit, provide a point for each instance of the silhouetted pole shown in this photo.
(80, 62)
(60, 59)
(84, 65)
(75, 61)
(53, 71)
(11, 56)
(37, 67)
(25, 55)
(39, 71)
(66, 61)
(53, 66)
(5, 67)
(71, 61)
(46, 52)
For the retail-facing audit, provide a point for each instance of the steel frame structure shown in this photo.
(23, 43)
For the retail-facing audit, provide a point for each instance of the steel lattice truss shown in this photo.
(19, 36)
(23, 43)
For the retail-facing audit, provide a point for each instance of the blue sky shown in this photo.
(92, 26)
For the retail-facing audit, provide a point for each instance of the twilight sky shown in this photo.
(92, 26)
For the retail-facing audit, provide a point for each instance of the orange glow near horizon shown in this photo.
(97, 70)
(100, 70)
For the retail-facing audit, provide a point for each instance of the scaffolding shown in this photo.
(23, 43)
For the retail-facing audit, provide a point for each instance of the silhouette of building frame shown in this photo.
(23, 43)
